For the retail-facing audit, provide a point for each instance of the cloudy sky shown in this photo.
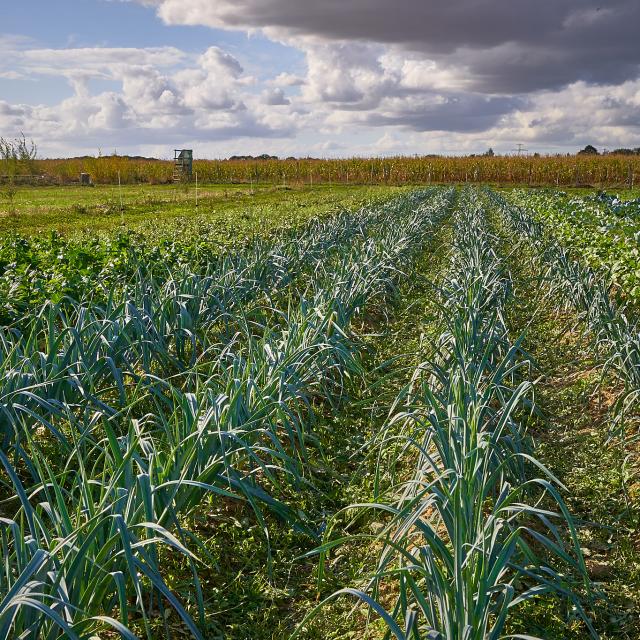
(319, 77)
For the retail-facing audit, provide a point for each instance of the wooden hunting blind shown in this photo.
(182, 164)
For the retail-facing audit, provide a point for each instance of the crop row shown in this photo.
(120, 420)
(480, 526)
(587, 290)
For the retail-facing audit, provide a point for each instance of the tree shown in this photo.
(627, 152)
(489, 153)
(16, 157)
(589, 150)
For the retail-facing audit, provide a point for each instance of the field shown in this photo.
(321, 411)
(567, 171)
(105, 207)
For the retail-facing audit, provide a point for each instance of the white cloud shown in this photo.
(216, 61)
(275, 97)
(378, 78)
(96, 61)
(162, 92)
(287, 80)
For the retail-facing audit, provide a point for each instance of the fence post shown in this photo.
(120, 194)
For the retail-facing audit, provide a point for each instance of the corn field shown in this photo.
(573, 171)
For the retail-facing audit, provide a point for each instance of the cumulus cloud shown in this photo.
(578, 114)
(216, 61)
(381, 75)
(162, 92)
(287, 80)
(275, 97)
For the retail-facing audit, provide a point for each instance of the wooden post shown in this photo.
(120, 194)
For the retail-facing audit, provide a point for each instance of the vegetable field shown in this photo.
(349, 413)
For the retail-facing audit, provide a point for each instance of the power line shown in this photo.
(520, 150)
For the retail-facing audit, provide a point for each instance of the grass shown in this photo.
(39, 265)
(237, 208)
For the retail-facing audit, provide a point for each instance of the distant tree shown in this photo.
(589, 150)
(489, 153)
(263, 156)
(16, 157)
(627, 152)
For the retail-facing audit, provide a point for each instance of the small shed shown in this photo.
(182, 164)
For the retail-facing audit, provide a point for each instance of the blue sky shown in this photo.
(333, 78)
(65, 24)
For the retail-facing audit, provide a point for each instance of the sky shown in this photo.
(327, 78)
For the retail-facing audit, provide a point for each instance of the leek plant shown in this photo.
(166, 398)
(614, 332)
(76, 351)
(480, 525)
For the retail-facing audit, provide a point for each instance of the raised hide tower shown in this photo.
(182, 165)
